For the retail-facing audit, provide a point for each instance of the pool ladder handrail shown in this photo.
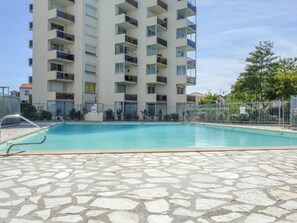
(60, 118)
(27, 120)
(195, 119)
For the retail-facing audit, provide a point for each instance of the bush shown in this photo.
(174, 116)
(167, 117)
(109, 115)
(29, 111)
(45, 115)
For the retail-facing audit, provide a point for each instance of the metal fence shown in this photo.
(9, 105)
(260, 113)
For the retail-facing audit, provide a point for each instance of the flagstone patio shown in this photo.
(250, 187)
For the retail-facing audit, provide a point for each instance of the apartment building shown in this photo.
(126, 54)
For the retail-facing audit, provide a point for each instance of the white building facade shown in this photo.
(129, 55)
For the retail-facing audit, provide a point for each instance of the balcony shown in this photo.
(130, 97)
(64, 96)
(191, 80)
(191, 45)
(161, 98)
(191, 98)
(127, 5)
(130, 59)
(161, 60)
(162, 23)
(31, 8)
(191, 28)
(130, 40)
(157, 6)
(59, 37)
(126, 22)
(191, 9)
(125, 79)
(30, 44)
(153, 98)
(60, 56)
(161, 42)
(30, 62)
(61, 76)
(60, 17)
(156, 79)
(31, 26)
(191, 63)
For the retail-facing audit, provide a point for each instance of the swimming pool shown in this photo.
(132, 136)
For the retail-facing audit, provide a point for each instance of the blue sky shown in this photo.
(227, 31)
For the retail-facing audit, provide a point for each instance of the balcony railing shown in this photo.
(31, 8)
(191, 80)
(192, 7)
(192, 25)
(132, 2)
(65, 15)
(130, 97)
(131, 78)
(30, 61)
(162, 79)
(65, 56)
(31, 44)
(162, 4)
(191, 62)
(64, 76)
(65, 36)
(162, 23)
(160, 97)
(161, 60)
(191, 98)
(131, 21)
(161, 41)
(131, 40)
(191, 43)
(31, 26)
(130, 59)
(64, 96)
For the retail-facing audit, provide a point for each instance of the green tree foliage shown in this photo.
(265, 76)
(209, 99)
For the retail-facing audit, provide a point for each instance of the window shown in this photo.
(151, 69)
(119, 67)
(121, 30)
(180, 53)
(57, 67)
(91, 11)
(151, 31)
(57, 47)
(180, 90)
(151, 89)
(181, 70)
(91, 50)
(119, 48)
(181, 14)
(90, 88)
(90, 69)
(151, 50)
(121, 88)
(181, 33)
(26, 92)
(56, 26)
(91, 31)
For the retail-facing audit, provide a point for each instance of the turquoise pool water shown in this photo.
(152, 136)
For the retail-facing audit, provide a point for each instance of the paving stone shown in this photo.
(188, 213)
(275, 211)
(226, 217)
(7, 184)
(292, 217)
(253, 218)
(43, 214)
(68, 218)
(226, 175)
(290, 205)
(164, 180)
(59, 192)
(149, 194)
(123, 217)
(94, 213)
(180, 202)
(282, 195)
(38, 182)
(83, 199)
(56, 202)
(159, 219)
(157, 206)
(17, 220)
(156, 173)
(25, 209)
(205, 204)
(239, 207)
(114, 203)
(254, 197)
(3, 195)
(12, 203)
(72, 210)
(4, 213)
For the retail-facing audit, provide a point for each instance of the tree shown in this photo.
(257, 80)
(209, 99)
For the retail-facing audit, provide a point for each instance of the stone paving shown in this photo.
(249, 187)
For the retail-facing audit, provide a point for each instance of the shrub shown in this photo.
(45, 115)
(109, 115)
(167, 117)
(174, 116)
(29, 111)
